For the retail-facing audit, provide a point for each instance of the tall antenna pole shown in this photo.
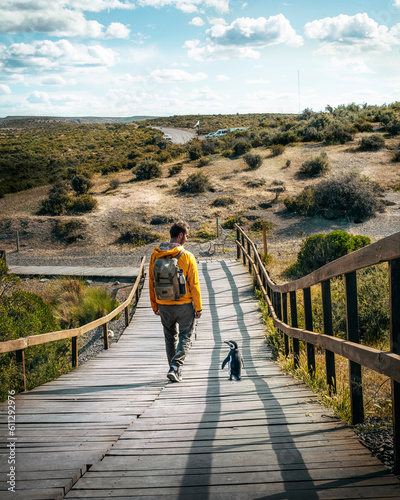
(298, 87)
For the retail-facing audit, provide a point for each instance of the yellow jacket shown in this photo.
(187, 262)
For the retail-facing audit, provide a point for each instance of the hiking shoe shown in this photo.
(174, 375)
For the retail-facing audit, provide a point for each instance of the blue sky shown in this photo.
(166, 57)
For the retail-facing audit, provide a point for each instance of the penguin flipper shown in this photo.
(224, 363)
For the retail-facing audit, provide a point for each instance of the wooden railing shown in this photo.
(276, 297)
(19, 345)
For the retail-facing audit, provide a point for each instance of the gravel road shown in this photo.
(179, 136)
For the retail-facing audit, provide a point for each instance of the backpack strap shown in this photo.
(178, 255)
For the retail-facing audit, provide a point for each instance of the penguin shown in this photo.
(234, 360)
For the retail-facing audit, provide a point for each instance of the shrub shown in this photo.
(223, 201)
(57, 202)
(227, 154)
(136, 235)
(396, 156)
(114, 183)
(277, 149)
(373, 142)
(316, 166)
(148, 169)
(205, 233)
(319, 249)
(349, 196)
(230, 223)
(160, 219)
(196, 183)
(195, 151)
(204, 162)
(338, 133)
(209, 146)
(70, 231)
(81, 183)
(255, 183)
(84, 203)
(258, 225)
(253, 161)
(95, 303)
(175, 169)
(241, 146)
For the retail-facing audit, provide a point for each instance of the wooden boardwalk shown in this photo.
(113, 272)
(117, 428)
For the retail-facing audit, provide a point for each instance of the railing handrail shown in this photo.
(23, 342)
(381, 251)
(384, 362)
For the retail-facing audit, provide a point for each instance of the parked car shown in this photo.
(221, 132)
(211, 134)
(167, 137)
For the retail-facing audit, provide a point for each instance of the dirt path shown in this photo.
(179, 136)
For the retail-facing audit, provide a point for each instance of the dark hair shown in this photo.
(179, 227)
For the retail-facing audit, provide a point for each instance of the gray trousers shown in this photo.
(177, 344)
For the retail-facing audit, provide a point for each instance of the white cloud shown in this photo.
(396, 4)
(37, 97)
(48, 55)
(258, 81)
(175, 75)
(256, 32)
(358, 32)
(212, 51)
(53, 80)
(4, 89)
(217, 20)
(242, 37)
(188, 6)
(223, 78)
(197, 21)
(117, 30)
(349, 65)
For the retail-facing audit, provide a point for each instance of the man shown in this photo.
(182, 311)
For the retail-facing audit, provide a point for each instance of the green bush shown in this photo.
(230, 223)
(253, 161)
(258, 225)
(255, 183)
(196, 183)
(319, 249)
(209, 146)
(70, 231)
(94, 303)
(114, 183)
(148, 169)
(204, 162)
(83, 203)
(277, 149)
(195, 151)
(241, 146)
(373, 142)
(81, 184)
(59, 201)
(223, 201)
(348, 196)
(175, 169)
(316, 166)
(205, 233)
(136, 235)
(338, 133)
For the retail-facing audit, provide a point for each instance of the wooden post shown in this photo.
(244, 255)
(105, 335)
(237, 246)
(17, 240)
(356, 396)
(328, 330)
(293, 312)
(394, 294)
(126, 315)
(264, 233)
(249, 254)
(74, 352)
(309, 326)
(217, 228)
(137, 295)
(20, 355)
(285, 320)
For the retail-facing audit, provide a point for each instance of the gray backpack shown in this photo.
(169, 281)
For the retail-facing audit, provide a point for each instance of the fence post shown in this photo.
(17, 240)
(237, 246)
(105, 335)
(394, 294)
(293, 313)
(126, 310)
(285, 320)
(328, 330)
(309, 326)
(244, 255)
(74, 352)
(264, 233)
(356, 396)
(249, 254)
(20, 356)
